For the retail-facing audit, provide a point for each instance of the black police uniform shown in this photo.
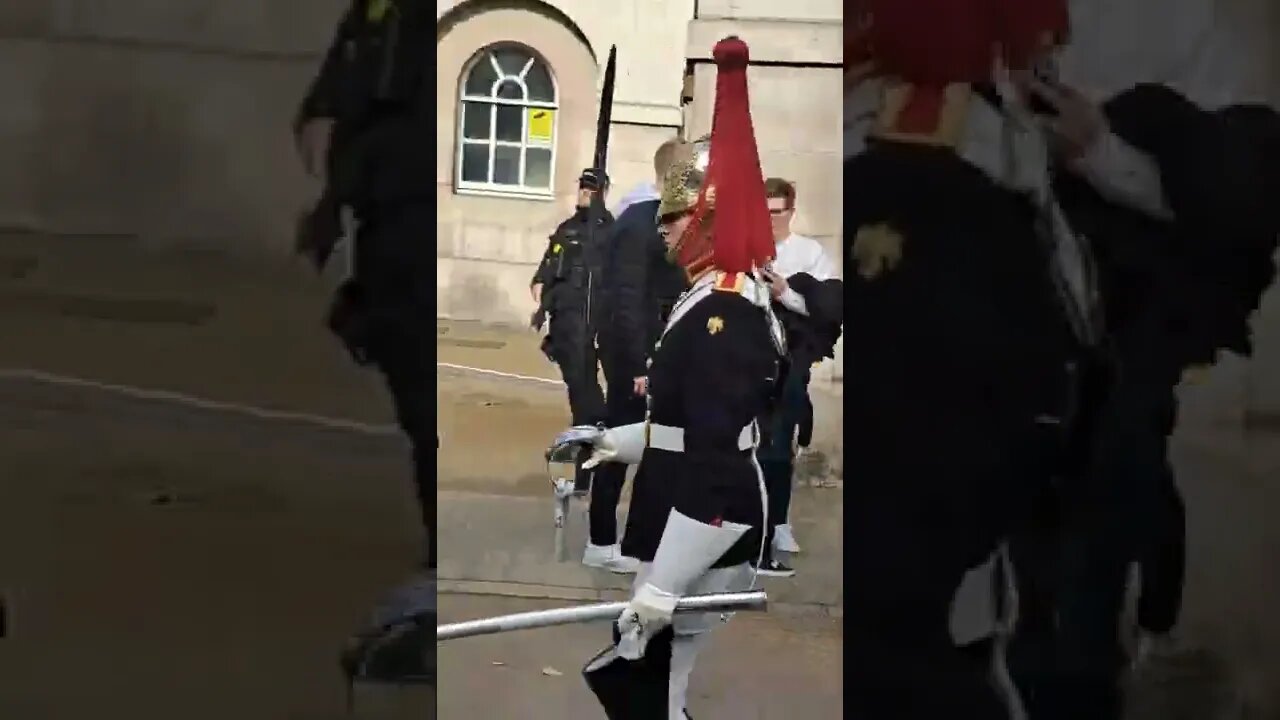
(382, 164)
(640, 288)
(570, 277)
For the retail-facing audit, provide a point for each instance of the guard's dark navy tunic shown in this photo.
(713, 372)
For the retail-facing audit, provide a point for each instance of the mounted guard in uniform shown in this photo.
(697, 512)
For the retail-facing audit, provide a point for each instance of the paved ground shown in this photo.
(167, 558)
(756, 668)
(173, 564)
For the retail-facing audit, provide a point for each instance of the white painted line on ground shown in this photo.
(200, 403)
(259, 413)
(497, 373)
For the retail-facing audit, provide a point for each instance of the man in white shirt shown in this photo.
(796, 255)
(1179, 164)
(644, 192)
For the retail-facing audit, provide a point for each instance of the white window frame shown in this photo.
(465, 187)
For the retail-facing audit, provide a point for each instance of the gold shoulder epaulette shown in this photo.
(730, 282)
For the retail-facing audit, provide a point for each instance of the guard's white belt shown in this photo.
(671, 439)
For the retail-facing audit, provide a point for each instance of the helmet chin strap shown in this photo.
(693, 253)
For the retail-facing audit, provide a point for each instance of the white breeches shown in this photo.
(691, 629)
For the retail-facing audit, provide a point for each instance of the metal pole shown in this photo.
(719, 602)
(563, 496)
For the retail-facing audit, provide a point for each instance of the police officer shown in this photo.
(363, 127)
(566, 287)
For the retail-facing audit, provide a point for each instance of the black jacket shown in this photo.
(813, 337)
(1177, 292)
(374, 83)
(566, 248)
(640, 288)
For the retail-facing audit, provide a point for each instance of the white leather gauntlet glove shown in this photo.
(622, 444)
(649, 611)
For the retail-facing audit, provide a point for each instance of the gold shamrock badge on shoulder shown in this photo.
(876, 250)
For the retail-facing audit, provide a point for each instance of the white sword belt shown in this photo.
(671, 439)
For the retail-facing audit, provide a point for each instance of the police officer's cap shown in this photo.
(591, 180)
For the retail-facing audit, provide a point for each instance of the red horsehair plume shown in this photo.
(742, 238)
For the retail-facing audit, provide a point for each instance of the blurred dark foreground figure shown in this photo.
(363, 127)
(962, 330)
(1181, 278)
(398, 644)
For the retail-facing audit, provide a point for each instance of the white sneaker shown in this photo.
(609, 557)
(784, 540)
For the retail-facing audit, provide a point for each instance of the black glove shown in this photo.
(318, 231)
(349, 320)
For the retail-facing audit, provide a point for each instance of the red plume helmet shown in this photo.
(928, 45)
(1030, 28)
(938, 42)
(742, 237)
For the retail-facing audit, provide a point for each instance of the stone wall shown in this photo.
(168, 120)
(162, 120)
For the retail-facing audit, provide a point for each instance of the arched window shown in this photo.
(507, 123)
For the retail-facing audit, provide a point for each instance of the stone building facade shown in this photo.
(508, 164)
(168, 121)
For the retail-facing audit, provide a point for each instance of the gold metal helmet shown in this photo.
(683, 181)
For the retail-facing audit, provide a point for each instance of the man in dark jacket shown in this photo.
(1182, 270)
(640, 288)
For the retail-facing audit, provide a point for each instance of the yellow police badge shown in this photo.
(715, 325)
(376, 10)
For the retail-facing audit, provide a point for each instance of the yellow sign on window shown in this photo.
(542, 122)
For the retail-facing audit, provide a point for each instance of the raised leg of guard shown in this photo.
(634, 689)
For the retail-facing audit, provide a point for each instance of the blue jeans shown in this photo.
(775, 454)
(1072, 573)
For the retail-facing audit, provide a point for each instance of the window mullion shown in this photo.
(493, 140)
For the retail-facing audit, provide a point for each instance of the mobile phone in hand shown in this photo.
(1045, 73)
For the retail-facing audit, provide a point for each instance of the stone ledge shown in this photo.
(802, 11)
(772, 41)
(636, 113)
